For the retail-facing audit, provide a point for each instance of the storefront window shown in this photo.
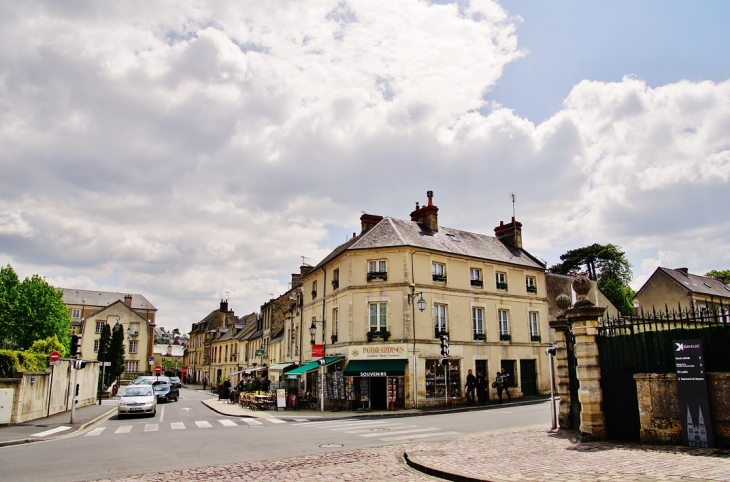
(435, 385)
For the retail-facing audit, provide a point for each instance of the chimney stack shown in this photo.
(224, 306)
(128, 300)
(510, 234)
(368, 221)
(296, 280)
(427, 215)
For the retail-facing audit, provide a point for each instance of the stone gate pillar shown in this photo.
(583, 318)
(560, 325)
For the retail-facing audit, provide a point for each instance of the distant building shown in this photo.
(675, 288)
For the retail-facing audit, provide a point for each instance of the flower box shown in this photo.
(536, 338)
(532, 289)
(501, 286)
(314, 293)
(440, 278)
(383, 275)
(477, 282)
(335, 283)
(480, 336)
(505, 337)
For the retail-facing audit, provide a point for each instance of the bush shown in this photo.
(9, 363)
(13, 361)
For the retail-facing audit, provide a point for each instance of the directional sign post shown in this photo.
(694, 405)
(158, 370)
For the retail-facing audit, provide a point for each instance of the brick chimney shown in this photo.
(368, 221)
(427, 215)
(296, 280)
(224, 306)
(128, 300)
(304, 269)
(510, 234)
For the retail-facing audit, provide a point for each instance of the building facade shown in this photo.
(363, 303)
(678, 289)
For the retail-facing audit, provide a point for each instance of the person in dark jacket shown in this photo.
(471, 384)
(481, 388)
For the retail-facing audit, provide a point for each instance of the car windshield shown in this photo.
(137, 392)
(145, 382)
(162, 388)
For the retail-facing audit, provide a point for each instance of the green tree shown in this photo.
(116, 351)
(605, 264)
(722, 275)
(48, 346)
(31, 310)
(103, 355)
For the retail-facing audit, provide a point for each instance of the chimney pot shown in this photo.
(427, 215)
(510, 234)
(369, 221)
(128, 300)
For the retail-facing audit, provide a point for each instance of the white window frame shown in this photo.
(530, 281)
(477, 320)
(99, 326)
(335, 320)
(503, 321)
(440, 317)
(377, 266)
(438, 269)
(134, 328)
(131, 366)
(377, 316)
(75, 313)
(96, 345)
(133, 346)
(500, 277)
(475, 274)
(533, 318)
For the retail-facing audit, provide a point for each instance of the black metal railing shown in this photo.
(645, 343)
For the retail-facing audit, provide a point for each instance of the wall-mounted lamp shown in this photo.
(313, 330)
(421, 303)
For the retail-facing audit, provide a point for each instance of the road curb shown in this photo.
(79, 429)
(439, 473)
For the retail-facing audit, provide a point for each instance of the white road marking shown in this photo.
(124, 429)
(276, 420)
(228, 423)
(345, 426)
(366, 430)
(330, 422)
(301, 419)
(251, 421)
(162, 415)
(203, 424)
(62, 428)
(422, 435)
(177, 426)
(410, 430)
(95, 432)
(151, 427)
(186, 409)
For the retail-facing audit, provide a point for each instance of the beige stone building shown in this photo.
(675, 288)
(485, 292)
(91, 310)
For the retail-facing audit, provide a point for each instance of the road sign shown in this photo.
(54, 356)
(317, 351)
(105, 363)
(158, 369)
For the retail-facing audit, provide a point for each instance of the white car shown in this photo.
(137, 399)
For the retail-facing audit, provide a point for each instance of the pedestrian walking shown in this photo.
(481, 388)
(471, 383)
(501, 384)
(205, 383)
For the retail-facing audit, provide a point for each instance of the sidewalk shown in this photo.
(55, 426)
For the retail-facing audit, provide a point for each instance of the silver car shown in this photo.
(137, 399)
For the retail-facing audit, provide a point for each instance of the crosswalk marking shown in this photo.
(228, 423)
(203, 424)
(365, 430)
(177, 426)
(151, 427)
(124, 429)
(51, 432)
(330, 422)
(251, 421)
(95, 432)
(276, 420)
(411, 430)
(346, 426)
(422, 435)
(301, 419)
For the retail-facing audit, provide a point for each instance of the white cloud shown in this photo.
(182, 151)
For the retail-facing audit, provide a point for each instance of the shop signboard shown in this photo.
(694, 405)
(378, 352)
(280, 398)
(317, 351)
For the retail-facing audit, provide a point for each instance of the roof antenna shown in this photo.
(227, 293)
(304, 263)
(513, 195)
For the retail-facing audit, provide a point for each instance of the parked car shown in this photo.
(137, 400)
(175, 382)
(166, 392)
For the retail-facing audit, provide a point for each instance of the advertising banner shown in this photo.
(694, 406)
(317, 351)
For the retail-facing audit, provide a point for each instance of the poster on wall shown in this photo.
(694, 405)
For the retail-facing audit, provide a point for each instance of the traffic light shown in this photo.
(443, 361)
(322, 362)
(445, 345)
(77, 389)
(80, 364)
(75, 345)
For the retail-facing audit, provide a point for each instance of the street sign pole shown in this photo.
(101, 385)
(73, 394)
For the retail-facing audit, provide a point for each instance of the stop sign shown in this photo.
(158, 369)
(54, 356)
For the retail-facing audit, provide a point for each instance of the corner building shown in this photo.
(382, 352)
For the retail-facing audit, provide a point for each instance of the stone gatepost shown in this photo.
(560, 325)
(583, 318)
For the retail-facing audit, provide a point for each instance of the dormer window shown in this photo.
(377, 269)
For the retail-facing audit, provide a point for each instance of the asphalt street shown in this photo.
(187, 434)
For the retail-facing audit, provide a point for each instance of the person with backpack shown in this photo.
(501, 384)
(471, 383)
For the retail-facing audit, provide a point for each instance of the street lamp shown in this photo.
(421, 303)
(312, 332)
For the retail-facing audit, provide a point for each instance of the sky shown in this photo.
(193, 151)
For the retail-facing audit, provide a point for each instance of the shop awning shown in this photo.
(308, 367)
(375, 368)
(280, 367)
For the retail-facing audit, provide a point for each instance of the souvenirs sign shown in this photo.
(694, 406)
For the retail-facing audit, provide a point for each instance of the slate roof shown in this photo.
(698, 284)
(104, 298)
(391, 232)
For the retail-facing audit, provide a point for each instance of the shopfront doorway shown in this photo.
(378, 393)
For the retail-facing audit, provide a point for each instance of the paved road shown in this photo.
(187, 434)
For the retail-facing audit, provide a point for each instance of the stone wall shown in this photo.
(659, 407)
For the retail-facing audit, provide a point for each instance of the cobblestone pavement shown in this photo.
(519, 455)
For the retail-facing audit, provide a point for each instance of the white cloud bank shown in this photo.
(183, 150)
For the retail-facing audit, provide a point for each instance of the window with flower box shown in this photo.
(439, 320)
(475, 275)
(438, 272)
(531, 284)
(377, 269)
(534, 320)
(501, 279)
(504, 333)
(477, 322)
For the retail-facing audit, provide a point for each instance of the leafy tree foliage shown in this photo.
(722, 275)
(30, 310)
(104, 353)
(605, 264)
(48, 346)
(116, 352)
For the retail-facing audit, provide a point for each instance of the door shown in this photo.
(6, 404)
(378, 393)
(528, 375)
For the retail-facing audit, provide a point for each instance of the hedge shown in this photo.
(13, 361)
